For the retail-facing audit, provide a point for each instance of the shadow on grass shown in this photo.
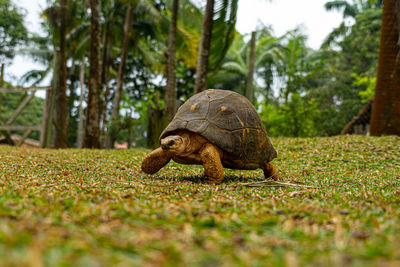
(200, 179)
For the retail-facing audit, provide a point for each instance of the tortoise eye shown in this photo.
(171, 143)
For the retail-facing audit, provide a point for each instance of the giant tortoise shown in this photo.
(216, 129)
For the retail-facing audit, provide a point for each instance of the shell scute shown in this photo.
(194, 109)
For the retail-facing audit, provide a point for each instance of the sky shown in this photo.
(286, 15)
(282, 15)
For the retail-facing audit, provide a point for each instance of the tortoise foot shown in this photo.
(155, 160)
(211, 158)
(270, 172)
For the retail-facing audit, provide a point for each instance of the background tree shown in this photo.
(252, 58)
(81, 124)
(92, 131)
(235, 68)
(12, 35)
(204, 49)
(350, 10)
(124, 52)
(170, 90)
(219, 26)
(299, 91)
(12, 30)
(60, 109)
(386, 107)
(348, 66)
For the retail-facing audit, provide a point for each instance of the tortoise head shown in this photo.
(173, 143)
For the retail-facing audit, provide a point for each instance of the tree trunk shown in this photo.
(120, 80)
(170, 91)
(81, 130)
(124, 52)
(1, 82)
(204, 50)
(71, 97)
(60, 109)
(156, 122)
(92, 131)
(105, 75)
(252, 58)
(48, 140)
(104, 114)
(385, 118)
(106, 49)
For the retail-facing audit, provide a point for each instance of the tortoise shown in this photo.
(216, 129)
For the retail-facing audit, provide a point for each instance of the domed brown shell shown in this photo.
(228, 120)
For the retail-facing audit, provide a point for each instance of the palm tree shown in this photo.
(295, 64)
(204, 51)
(81, 125)
(56, 16)
(252, 57)
(219, 25)
(124, 52)
(235, 70)
(92, 128)
(60, 109)
(385, 117)
(170, 90)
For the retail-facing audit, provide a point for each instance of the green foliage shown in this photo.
(298, 117)
(12, 30)
(339, 87)
(234, 69)
(304, 92)
(223, 31)
(369, 83)
(297, 64)
(127, 129)
(301, 92)
(349, 10)
(233, 72)
(96, 207)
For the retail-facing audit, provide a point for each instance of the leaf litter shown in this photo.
(339, 202)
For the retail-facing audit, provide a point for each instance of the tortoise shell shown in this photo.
(228, 120)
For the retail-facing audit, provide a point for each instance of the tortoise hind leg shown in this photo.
(211, 158)
(155, 160)
(270, 171)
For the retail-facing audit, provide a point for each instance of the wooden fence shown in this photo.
(27, 128)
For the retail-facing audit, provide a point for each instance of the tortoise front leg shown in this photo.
(155, 160)
(270, 171)
(211, 159)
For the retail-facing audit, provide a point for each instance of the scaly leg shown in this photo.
(211, 158)
(155, 160)
(271, 172)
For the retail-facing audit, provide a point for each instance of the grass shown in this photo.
(96, 208)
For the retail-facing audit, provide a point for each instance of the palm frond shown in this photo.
(149, 8)
(78, 31)
(149, 56)
(340, 5)
(34, 77)
(235, 68)
(82, 47)
(338, 32)
(223, 31)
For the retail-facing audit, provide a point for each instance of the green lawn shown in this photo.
(96, 208)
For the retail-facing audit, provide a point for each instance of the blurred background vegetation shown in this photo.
(297, 90)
